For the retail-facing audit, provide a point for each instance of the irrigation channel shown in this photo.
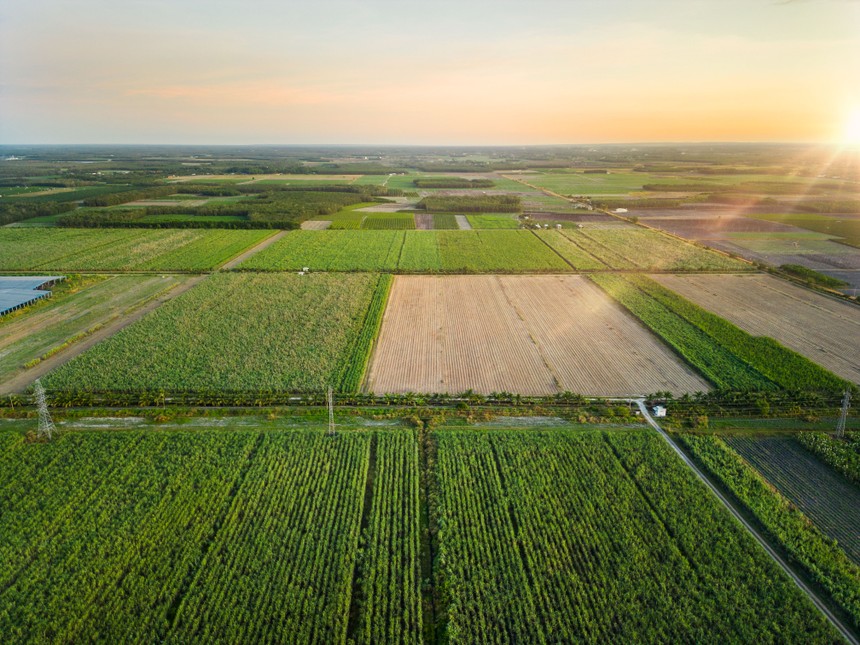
(847, 633)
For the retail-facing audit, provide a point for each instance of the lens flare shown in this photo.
(851, 134)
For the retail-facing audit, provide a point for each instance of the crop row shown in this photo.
(238, 332)
(715, 362)
(822, 559)
(354, 369)
(585, 537)
(210, 536)
(726, 355)
(841, 454)
(409, 252)
(288, 535)
(390, 603)
(781, 365)
(120, 249)
(820, 493)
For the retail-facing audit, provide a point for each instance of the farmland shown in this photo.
(235, 332)
(40, 331)
(531, 335)
(485, 320)
(726, 355)
(841, 455)
(822, 559)
(247, 500)
(31, 249)
(419, 251)
(820, 328)
(845, 227)
(825, 497)
(269, 533)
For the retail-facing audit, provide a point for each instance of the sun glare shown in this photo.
(851, 135)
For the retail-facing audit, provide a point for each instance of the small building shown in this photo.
(620, 210)
(659, 411)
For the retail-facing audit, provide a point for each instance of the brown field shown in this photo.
(315, 225)
(823, 329)
(531, 335)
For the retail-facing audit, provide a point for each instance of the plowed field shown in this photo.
(820, 328)
(528, 335)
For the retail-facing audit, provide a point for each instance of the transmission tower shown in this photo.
(843, 415)
(46, 424)
(330, 413)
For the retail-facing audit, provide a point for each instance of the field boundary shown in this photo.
(241, 256)
(19, 383)
(846, 632)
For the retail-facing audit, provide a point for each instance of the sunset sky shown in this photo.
(442, 72)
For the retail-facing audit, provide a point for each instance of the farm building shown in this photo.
(20, 291)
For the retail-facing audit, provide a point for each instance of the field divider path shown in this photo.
(244, 255)
(846, 632)
(18, 384)
(564, 259)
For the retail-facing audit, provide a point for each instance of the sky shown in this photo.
(469, 72)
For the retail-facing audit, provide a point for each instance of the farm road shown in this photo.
(18, 384)
(847, 633)
(244, 255)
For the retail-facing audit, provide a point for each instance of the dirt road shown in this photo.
(19, 383)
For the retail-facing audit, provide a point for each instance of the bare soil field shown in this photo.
(423, 222)
(315, 225)
(820, 328)
(532, 335)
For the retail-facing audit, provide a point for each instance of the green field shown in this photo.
(445, 221)
(623, 247)
(724, 354)
(411, 251)
(222, 536)
(578, 183)
(237, 332)
(55, 249)
(817, 490)
(845, 227)
(575, 521)
(42, 329)
(505, 220)
(258, 531)
(786, 524)
(841, 455)
(622, 182)
(388, 221)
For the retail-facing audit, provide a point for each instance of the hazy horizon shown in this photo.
(381, 73)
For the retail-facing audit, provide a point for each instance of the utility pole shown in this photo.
(843, 415)
(46, 424)
(330, 412)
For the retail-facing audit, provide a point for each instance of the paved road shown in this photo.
(847, 634)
